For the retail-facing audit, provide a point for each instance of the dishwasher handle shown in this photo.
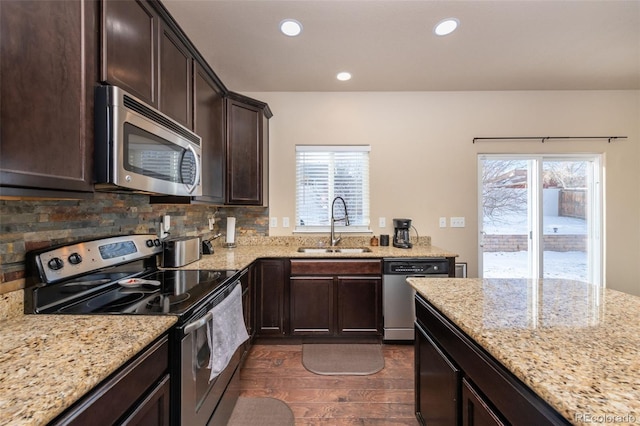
(428, 276)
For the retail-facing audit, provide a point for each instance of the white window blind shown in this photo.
(326, 172)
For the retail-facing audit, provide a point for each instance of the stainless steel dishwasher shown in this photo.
(398, 308)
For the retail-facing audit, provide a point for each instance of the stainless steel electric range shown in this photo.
(119, 276)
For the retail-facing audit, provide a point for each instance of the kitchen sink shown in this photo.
(314, 250)
(353, 250)
(334, 250)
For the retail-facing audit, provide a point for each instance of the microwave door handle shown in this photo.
(190, 188)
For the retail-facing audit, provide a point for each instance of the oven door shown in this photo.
(199, 397)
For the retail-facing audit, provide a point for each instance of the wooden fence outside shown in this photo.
(573, 203)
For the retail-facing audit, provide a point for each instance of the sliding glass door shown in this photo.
(540, 217)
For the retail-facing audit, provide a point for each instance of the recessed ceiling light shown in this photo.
(446, 26)
(290, 27)
(343, 76)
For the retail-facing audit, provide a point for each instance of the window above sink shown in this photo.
(324, 172)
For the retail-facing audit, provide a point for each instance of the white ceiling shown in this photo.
(390, 45)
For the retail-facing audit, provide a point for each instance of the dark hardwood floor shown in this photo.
(384, 398)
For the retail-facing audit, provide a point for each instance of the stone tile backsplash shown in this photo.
(32, 224)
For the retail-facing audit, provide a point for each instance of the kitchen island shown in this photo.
(574, 345)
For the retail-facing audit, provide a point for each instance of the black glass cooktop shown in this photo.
(178, 291)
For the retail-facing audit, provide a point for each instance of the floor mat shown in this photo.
(343, 359)
(261, 411)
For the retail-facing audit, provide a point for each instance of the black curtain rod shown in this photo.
(544, 138)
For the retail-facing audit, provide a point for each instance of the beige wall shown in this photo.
(424, 165)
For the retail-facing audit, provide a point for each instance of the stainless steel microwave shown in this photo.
(139, 149)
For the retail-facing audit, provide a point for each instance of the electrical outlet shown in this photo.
(285, 222)
(273, 222)
(165, 225)
(212, 221)
(457, 222)
(443, 222)
(382, 222)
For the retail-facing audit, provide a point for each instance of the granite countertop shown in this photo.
(572, 343)
(243, 255)
(47, 362)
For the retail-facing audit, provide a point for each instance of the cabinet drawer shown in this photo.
(336, 267)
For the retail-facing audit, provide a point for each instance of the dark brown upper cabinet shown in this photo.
(176, 77)
(143, 55)
(209, 125)
(48, 67)
(247, 151)
(130, 47)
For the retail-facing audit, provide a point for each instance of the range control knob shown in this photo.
(157, 242)
(149, 243)
(55, 263)
(75, 258)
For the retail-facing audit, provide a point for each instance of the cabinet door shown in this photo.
(244, 154)
(176, 76)
(311, 310)
(475, 410)
(209, 125)
(130, 47)
(359, 305)
(154, 410)
(437, 383)
(270, 297)
(48, 67)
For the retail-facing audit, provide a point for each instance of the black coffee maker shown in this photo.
(401, 237)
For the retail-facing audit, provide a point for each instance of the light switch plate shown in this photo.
(285, 222)
(273, 222)
(457, 222)
(382, 222)
(443, 222)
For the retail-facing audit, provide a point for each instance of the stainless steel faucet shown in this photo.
(334, 240)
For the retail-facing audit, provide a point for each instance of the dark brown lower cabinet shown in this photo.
(437, 383)
(311, 307)
(359, 305)
(137, 394)
(475, 410)
(154, 410)
(335, 297)
(271, 276)
(458, 382)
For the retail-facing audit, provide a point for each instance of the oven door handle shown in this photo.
(198, 323)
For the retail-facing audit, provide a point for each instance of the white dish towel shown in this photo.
(226, 331)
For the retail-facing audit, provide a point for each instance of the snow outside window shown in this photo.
(329, 171)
